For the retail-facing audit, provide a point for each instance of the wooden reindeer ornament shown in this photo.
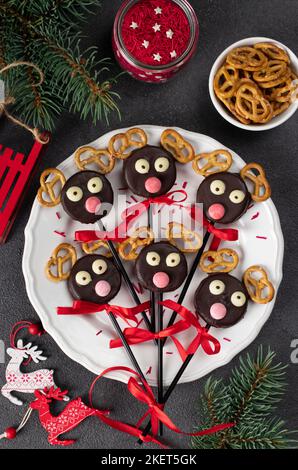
(18, 381)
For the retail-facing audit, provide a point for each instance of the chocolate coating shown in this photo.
(145, 272)
(204, 299)
(87, 292)
(76, 209)
(136, 180)
(233, 210)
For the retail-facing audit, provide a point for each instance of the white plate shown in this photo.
(78, 336)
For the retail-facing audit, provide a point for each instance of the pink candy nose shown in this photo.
(152, 185)
(161, 280)
(92, 204)
(218, 311)
(103, 288)
(216, 211)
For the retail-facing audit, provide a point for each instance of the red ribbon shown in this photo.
(227, 234)
(209, 343)
(128, 216)
(140, 335)
(140, 390)
(81, 307)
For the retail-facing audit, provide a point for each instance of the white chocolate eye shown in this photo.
(95, 185)
(99, 266)
(142, 166)
(238, 299)
(153, 258)
(217, 187)
(161, 164)
(83, 278)
(237, 196)
(74, 194)
(217, 287)
(172, 260)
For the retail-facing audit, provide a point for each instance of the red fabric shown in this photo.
(171, 18)
(228, 234)
(81, 307)
(140, 389)
(209, 343)
(128, 216)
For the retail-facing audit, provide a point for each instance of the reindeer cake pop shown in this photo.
(94, 278)
(226, 196)
(161, 267)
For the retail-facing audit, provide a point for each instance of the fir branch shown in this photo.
(248, 400)
(43, 32)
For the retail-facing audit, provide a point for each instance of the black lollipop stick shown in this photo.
(160, 356)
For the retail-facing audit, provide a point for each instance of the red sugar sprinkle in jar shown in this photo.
(154, 39)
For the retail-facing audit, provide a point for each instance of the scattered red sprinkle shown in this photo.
(261, 238)
(128, 202)
(134, 198)
(255, 216)
(176, 296)
(139, 322)
(58, 215)
(184, 185)
(169, 352)
(99, 332)
(62, 234)
(149, 371)
(227, 339)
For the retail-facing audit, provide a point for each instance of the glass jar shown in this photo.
(154, 39)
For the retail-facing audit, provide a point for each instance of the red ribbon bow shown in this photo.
(209, 343)
(140, 389)
(81, 307)
(140, 335)
(128, 216)
(227, 234)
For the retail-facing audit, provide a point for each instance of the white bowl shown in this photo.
(276, 121)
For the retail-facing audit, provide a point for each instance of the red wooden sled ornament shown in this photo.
(16, 170)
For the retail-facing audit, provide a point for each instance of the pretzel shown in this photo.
(192, 241)
(252, 105)
(221, 261)
(278, 81)
(274, 70)
(58, 260)
(98, 247)
(272, 51)
(101, 158)
(122, 145)
(215, 162)
(225, 81)
(48, 187)
(174, 143)
(247, 58)
(129, 249)
(258, 286)
(262, 190)
(279, 108)
(285, 91)
(230, 104)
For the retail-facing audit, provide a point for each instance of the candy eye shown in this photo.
(74, 194)
(99, 266)
(172, 260)
(95, 185)
(153, 258)
(217, 287)
(217, 187)
(237, 196)
(238, 299)
(83, 278)
(142, 166)
(161, 164)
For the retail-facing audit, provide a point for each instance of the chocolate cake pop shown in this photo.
(87, 196)
(150, 171)
(94, 278)
(224, 196)
(221, 300)
(161, 267)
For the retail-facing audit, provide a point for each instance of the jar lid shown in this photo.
(158, 33)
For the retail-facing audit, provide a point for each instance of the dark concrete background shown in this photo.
(182, 102)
